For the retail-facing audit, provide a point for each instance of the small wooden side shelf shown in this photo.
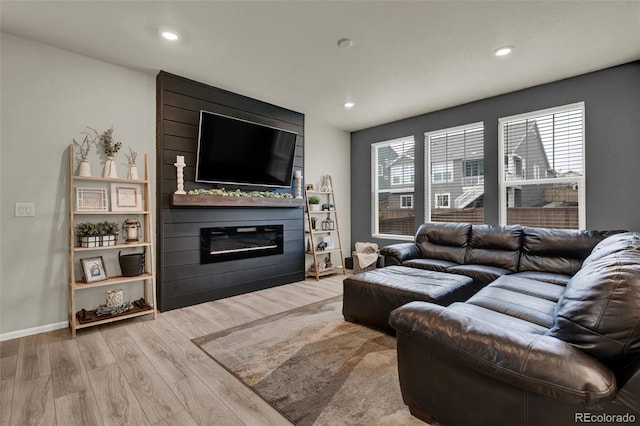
(178, 200)
(314, 235)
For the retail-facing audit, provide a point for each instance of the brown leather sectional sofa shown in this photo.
(551, 336)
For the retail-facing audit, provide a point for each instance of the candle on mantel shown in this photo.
(180, 159)
(298, 174)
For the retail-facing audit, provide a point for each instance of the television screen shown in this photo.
(235, 151)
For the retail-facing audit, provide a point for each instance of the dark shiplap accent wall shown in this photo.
(182, 280)
(612, 138)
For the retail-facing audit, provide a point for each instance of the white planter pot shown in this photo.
(84, 169)
(315, 207)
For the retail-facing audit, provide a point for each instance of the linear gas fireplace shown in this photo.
(240, 242)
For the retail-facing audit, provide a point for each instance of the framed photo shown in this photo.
(91, 199)
(93, 269)
(126, 197)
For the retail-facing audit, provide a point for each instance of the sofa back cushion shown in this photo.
(559, 251)
(495, 246)
(623, 241)
(444, 241)
(598, 311)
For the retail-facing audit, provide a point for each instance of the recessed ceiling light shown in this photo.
(503, 51)
(345, 43)
(349, 104)
(170, 35)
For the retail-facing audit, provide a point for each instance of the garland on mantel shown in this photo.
(237, 193)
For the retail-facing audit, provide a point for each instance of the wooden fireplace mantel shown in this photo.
(181, 200)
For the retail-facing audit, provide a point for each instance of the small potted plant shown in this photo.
(314, 203)
(313, 222)
(87, 234)
(108, 233)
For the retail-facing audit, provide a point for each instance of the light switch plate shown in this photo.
(25, 210)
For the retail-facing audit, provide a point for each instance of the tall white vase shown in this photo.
(85, 168)
(133, 172)
(110, 168)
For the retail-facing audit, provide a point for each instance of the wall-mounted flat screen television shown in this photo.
(240, 152)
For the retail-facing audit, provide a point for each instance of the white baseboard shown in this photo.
(33, 330)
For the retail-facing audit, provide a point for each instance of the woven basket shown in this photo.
(131, 265)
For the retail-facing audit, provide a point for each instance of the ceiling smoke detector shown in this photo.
(345, 43)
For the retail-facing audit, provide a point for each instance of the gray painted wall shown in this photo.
(612, 135)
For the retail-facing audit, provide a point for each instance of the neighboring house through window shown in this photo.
(441, 201)
(393, 177)
(542, 176)
(442, 172)
(454, 174)
(406, 201)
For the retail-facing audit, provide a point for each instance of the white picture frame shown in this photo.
(91, 200)
(126, 197)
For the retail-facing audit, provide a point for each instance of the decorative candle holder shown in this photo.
(180, 165)
(298, 176)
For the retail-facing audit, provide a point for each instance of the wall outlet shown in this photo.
(25, 210)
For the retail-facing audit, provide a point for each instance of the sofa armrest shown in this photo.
(533, 362)
(395, 254)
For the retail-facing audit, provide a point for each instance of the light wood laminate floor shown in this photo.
(141, 371)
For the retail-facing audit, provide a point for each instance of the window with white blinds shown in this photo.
(393, 177)
(541, 168)
(454, 174)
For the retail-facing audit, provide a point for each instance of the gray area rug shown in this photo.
(314, 367)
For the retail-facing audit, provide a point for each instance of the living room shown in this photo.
(55, 83)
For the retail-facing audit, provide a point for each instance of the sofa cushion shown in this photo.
(598, 312)
(508, 298)
(559, 251)
(429, 264)
(444, 241)
(531, 287)
(495, 246)
(548, 277)
(481, 274)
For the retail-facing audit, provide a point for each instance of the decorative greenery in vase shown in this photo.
(131, 157)
(84, 147)
(106, 139)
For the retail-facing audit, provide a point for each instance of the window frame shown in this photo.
(406, 196)
(375, 224)
(504, 183)
(440, 194)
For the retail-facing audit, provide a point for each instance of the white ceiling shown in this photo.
(408, 57)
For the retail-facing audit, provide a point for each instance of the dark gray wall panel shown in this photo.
(612, 137)
(182, 280)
